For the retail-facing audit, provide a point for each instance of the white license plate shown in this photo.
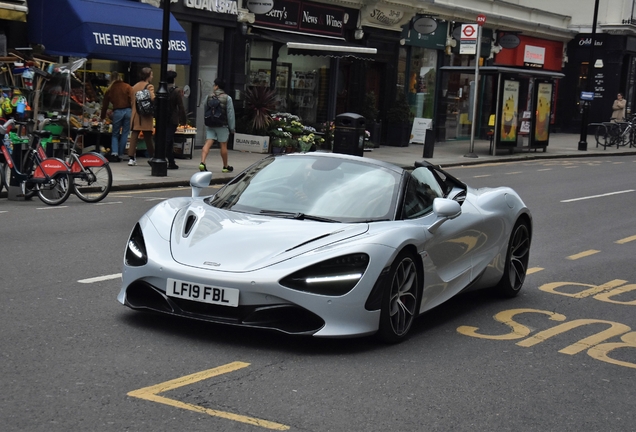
(202, 292)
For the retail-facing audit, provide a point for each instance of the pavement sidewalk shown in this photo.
(446, 154)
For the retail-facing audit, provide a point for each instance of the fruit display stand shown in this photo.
(184, 142)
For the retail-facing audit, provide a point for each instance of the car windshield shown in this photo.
(313, 187)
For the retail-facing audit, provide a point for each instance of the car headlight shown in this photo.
(333, 277)
(136, 249)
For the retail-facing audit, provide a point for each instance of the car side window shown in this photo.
(421, 190)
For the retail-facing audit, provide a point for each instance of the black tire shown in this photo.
(58, 192)
(400, 299)
(601, 136)
(516, 264)
(94, 186)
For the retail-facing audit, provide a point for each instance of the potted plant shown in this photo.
(399, 120)
(254, 121)
(370, 113)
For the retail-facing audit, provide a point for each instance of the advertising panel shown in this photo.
(509, 110)
(543, 110)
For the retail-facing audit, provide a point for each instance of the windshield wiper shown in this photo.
(299, 216)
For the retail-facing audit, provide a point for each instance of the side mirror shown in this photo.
(444, 209)
(198, 181)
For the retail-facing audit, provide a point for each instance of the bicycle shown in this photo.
(620, 134)
(91, 173)
(50, 178)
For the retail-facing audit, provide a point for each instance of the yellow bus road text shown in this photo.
(595, 345)
(605, 292)
(152, 394)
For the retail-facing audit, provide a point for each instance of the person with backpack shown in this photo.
(177, 116)
(142, 118)
(120, 95)
(219, 122)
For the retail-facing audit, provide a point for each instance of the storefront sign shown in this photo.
(532, 52)
(259, 7)
(434, 40)
(318, 19)
(251, 143)
(425, 25)
(421, 126)
(509, 41)
(534, 56)
(307, 17)
(218, 6)
(381, 15)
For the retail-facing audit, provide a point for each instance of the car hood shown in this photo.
(207, 237)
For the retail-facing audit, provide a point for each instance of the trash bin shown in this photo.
(429, 143)
(348, 136)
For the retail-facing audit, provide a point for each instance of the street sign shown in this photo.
(587, 96)
(469, 32)
(481, 19)
(468, 39)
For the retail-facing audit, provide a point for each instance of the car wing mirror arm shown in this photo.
(199, 181)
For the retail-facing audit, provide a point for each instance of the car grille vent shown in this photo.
(189, 223)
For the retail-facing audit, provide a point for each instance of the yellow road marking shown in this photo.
(534, 270)
(152, 394)
(583, 254)
(626, 240)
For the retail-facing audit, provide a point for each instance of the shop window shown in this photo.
(422, 76)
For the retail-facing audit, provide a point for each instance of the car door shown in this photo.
(447, 252)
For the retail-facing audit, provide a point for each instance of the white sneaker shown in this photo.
(132, 162)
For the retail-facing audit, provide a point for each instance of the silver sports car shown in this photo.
(327, 245)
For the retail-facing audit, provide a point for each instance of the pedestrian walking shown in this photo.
(142, 121)
(618, 108)
(120, 95)
(220, 105)
(177, 116)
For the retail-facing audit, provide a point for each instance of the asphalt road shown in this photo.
(560, 356)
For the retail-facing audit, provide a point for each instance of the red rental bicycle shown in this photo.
(50, 178)
(91, 174)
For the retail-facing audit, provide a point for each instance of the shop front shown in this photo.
(516, 96)
(296, 48)
(381, 26)
(111, 36)
(612, 71)
(425, 39)
(217, 50)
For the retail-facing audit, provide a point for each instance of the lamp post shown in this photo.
(588, 84)
(158, 164)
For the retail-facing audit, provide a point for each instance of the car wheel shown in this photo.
(400, 300)
(516, 264)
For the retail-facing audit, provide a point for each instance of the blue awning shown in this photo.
(120, 30)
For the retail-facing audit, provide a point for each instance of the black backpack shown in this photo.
(214, 114)
(145, 105)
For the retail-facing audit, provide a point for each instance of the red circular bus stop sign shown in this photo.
(481, 19)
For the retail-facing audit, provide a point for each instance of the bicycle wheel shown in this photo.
(94, 185)
(602, 136)
(623, 135)
(58, 191)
